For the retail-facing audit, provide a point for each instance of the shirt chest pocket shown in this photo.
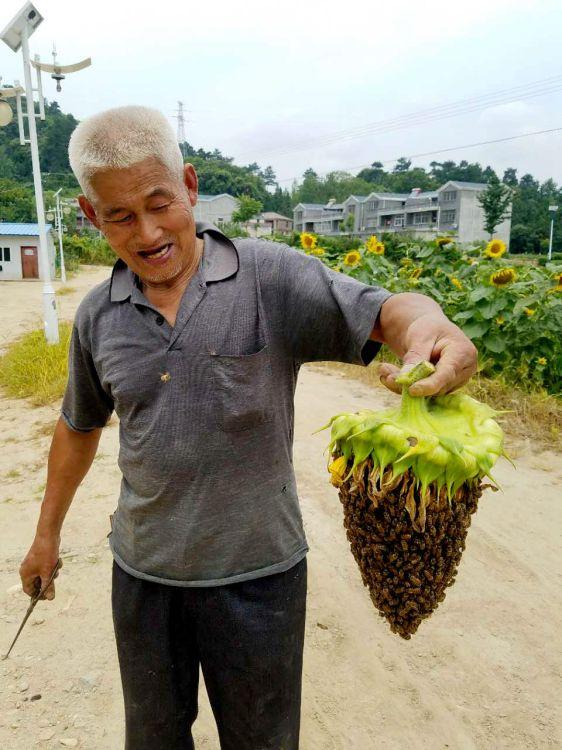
(244, 389)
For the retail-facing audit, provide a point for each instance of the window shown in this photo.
(372, 206)
(421, 219)
(449, 196)
(448, 217)
(351, 209)
(5, 254)
(398, 221)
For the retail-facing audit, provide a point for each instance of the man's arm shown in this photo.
(70, 457)
(414, 327)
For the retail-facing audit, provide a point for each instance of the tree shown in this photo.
(402, 165)
(17, 201)
(248, 208)
(496, 204)
(510, 177)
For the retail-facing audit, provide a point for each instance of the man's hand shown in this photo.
(415, 328)
(38, 565)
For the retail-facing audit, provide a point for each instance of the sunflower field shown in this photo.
(512, 310)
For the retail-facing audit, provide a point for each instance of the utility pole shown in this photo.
(57, 215)
(16, 35)
(552, 210)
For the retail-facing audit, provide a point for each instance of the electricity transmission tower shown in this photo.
(181, 128)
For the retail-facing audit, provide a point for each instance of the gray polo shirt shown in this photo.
(208, 493)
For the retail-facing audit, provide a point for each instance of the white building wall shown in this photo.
(12, 269)
(217, 210)
(471, 220)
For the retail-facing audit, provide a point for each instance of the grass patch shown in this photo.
(33, 369)
(536, 416)
(12, 474)
(64, 290)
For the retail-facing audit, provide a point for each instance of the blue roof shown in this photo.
(20, 229)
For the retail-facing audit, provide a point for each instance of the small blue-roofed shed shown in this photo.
(19, 251)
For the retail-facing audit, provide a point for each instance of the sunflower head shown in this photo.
(371, 244)
(317, 251)
(352, 258)
(541, 361)
(500, 320)
(440, 241)
(406, 262)
(529, 312)
(308, 241)
(455, 282)
(495, 249)
(503, 277)
(416, 273)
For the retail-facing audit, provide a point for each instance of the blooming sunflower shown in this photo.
(558, 287)
(541, 361)
(308, 241)
(503, 277)
(529, 312)
(371, 244)
(495, 249)
(440, 241)
(318, 251)
(352, 258)
(416, 273)
(456, 282)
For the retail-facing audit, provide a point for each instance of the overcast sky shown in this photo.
(277, 83)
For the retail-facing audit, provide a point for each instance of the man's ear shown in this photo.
(191, 182)
(88, 210)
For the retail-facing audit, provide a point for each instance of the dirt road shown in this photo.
(482, 673)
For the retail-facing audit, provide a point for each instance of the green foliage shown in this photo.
(495, 202)
(516, 326)
(247, 209)
(338, 185)
(233, 229)
(17, 202)
(87, 249)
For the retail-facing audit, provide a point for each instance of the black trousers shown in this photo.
(248, 638)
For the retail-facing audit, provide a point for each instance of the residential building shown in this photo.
(319, 218)
(268, 223)
(452, 209)
(19, 251)
(215, 209)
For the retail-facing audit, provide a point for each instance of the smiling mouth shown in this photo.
(158, 252)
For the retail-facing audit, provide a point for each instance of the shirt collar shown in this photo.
(220, 261)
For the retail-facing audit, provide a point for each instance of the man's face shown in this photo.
(146, 216)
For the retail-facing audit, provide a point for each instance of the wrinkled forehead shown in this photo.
(136, 183)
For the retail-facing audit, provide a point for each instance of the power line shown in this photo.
(453, 109)
(440, 151)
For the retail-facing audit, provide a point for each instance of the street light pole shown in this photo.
(49, 304)
(553, 210)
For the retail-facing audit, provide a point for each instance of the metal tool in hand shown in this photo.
(34, 599)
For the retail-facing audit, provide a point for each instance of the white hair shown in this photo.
(119, 138)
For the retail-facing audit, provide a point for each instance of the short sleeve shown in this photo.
(327, 315)
(86, 405)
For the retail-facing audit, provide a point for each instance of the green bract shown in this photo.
(443, 441)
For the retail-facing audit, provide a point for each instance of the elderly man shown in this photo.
(196, 341)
